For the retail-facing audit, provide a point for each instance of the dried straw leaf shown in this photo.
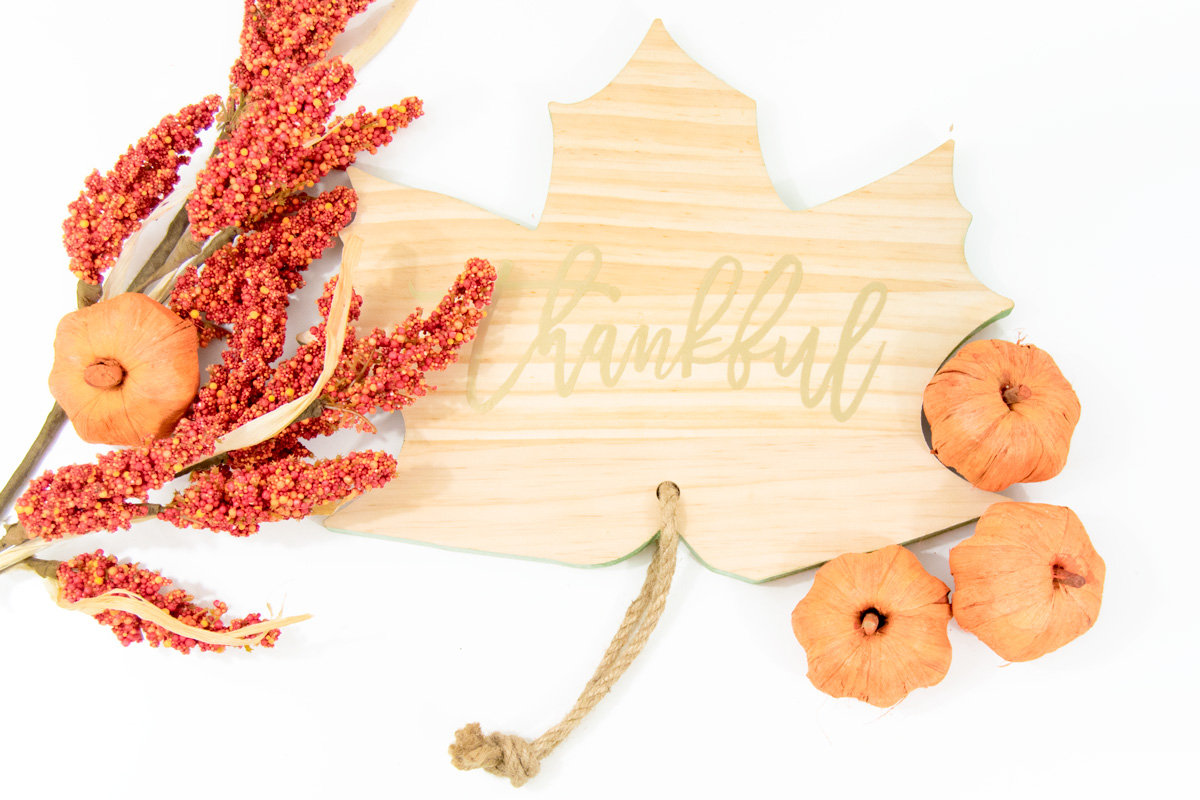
(16, 554)
(121, 600)
(271, 423)
(331, 507)
(162, 288)
(124, 271)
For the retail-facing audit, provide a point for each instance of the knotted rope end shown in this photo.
(519, 759)
(502, 754)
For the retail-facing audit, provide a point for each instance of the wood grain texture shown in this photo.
(381, 34)
(671, 319)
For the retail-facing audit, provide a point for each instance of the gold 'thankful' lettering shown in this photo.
(749, 344)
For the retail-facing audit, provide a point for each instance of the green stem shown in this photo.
(156, 266)
(45, 567)
(151, 271)
(46, 436)
(175, 231)
(57, 418)
(14, 535)
(87, 294)
(223, 238)
(21, 549)
(205, 464)
(186, 249)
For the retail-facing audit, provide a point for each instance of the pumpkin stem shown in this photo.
(870, 622)
(1069, 578)
(1015, 394)
(106, 373)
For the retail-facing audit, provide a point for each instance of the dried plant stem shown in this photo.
(174, 249)
(87, 294)
(215, 243)
(14, 534)
(175, 232)
(176, 235)
(57, 417)
(46, 568)
(202, 465)
(22, 549)
(185, 249)
(46, 436)
(329, 131)
(15, 555)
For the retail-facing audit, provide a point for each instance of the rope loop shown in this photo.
(519, 759)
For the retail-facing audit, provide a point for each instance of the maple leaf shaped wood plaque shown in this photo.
(671, 319)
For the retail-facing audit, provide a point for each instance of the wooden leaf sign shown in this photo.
(671, 319)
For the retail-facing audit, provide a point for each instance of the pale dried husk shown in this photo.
(125, 269)
(262, 428)
(11, 556)
(121, 600)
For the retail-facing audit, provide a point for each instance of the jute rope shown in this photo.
(519, 759)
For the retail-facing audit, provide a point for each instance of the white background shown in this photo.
(1077, 130)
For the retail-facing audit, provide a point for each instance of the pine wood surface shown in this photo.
(671, 319)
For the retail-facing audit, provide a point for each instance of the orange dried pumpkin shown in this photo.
(1028, 581)
(1001, 413)
(124, 369)
(874, 626)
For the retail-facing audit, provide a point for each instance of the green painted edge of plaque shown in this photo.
(453, 549)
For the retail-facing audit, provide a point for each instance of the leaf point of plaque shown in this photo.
(671, 128)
